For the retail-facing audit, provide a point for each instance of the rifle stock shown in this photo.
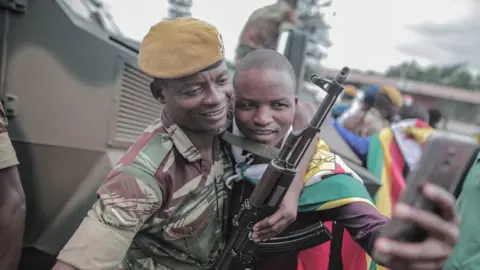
(274, 183)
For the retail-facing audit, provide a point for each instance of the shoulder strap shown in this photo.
(258, 149)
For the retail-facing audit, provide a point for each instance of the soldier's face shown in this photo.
(264, 104)
(200, 102)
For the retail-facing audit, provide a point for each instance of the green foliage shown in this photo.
(457, 75)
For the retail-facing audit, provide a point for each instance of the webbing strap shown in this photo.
(255, 148)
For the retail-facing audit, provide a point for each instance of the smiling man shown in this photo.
(162, 206)
(265, 107)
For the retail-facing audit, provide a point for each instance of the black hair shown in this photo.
(414, 111)
(265, 59)
(435, 116)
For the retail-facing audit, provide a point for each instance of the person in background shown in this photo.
(388, 102)
(264, 26)
(437, 120)
(357, 112)
(12, 201)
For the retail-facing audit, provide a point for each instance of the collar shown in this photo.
(181, 141)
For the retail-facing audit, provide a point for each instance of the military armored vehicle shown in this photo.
(75, 100)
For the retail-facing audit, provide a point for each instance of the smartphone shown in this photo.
(445, 162)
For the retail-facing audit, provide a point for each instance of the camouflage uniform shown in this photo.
(8, 158)
(162, 206)
(263, 28)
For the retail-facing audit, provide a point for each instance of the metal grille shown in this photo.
(136, 107)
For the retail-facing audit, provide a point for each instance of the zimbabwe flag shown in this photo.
(392, 153)
(329, 183)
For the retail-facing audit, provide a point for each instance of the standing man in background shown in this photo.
(12, 201)
(264, 26)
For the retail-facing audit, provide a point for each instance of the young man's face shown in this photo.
(200, 102)
(264, 104)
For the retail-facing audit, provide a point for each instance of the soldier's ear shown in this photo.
(157, 89)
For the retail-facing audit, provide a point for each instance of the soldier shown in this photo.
(12, 201)
(264, 26)
(163, 206)
(264, 85)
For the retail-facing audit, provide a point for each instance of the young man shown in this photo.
(12, 201)
(264, 111)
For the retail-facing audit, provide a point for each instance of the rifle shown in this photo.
(269, 192)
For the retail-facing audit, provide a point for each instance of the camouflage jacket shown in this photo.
(265, 24)
(161, 207)
(8, 158)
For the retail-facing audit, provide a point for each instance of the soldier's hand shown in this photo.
(432, 253)
(279, 221)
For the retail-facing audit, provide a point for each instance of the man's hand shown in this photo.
(432, 253)
(280, 220)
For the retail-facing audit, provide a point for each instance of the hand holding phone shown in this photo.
(425, 227)
(445, 162)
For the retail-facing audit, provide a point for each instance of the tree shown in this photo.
(457, 75)
(179, 8)
(312, 21)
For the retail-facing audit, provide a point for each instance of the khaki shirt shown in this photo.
(161, 207)
(8, 158)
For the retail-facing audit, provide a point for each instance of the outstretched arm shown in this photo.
(358, 144)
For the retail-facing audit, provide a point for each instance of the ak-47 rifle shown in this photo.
(270, 190)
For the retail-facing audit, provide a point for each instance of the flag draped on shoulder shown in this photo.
(329, 183)
(393, 152)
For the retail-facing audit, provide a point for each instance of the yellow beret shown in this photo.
(350, 90)
(393, 94)
(180, 47)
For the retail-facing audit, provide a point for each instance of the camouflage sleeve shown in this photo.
(8, 158)
(127, 199)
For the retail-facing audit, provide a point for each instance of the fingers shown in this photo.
(273, 231)
(387, 251)
(444, 201)
(272, 225)
(433, 224)
(268, 222)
